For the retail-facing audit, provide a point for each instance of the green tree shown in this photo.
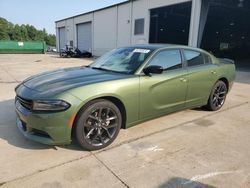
(9, 31)
(24, 33)
(16, 33)
(4, 35)
(50, 40)
(31, 32)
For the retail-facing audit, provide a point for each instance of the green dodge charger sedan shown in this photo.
(122, 88)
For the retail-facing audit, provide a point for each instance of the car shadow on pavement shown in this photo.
(202, 109)
(9, 130)
(10, 133)
(73, 146)
(178, 182)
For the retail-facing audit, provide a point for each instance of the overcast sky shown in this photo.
(44, 13)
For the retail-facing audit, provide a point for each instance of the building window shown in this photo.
(139, 26)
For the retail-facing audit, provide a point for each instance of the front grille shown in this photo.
(24, 102)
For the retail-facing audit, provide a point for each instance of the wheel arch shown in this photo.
(121, 107)
(225, 80)
(112, 99)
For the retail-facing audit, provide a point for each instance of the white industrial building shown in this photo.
(220, 26)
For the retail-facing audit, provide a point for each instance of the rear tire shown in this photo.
(98, 124)
(218, 96)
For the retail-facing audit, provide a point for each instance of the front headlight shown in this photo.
(50, 105)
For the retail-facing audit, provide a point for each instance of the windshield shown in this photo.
(122, 60)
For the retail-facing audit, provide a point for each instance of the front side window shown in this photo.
(122, 60)
(168, 59)
(193, 58)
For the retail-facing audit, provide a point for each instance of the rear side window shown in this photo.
(207, 59)
(168, 59)
(193, 58)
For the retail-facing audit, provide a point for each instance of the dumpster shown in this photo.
(22, 47)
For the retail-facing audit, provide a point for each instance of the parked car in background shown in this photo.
(122, 88)
(70, 51)
(51, 49)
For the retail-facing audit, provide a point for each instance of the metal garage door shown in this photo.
(84, 37)
(62, 38)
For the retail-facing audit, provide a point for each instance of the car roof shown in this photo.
(150, 46)
(163, 46)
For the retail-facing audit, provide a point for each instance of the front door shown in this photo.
(166, 92)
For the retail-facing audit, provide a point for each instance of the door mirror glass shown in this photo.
(153, 69)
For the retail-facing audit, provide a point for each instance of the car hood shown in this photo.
(65, 79)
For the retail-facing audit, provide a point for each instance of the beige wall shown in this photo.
(114, 27)
(124, 25)
(105, 30)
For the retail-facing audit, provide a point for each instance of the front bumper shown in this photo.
(50, 129)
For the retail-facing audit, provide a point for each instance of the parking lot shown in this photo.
(191, 148)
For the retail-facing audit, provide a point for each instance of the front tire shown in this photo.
(98, 124)
(217, 97)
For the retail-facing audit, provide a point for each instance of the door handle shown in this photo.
(213, 72)
(183, 79)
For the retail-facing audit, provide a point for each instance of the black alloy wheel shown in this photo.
(218, 96)
(98, 125)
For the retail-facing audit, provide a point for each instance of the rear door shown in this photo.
(201, 77)
(166, 92)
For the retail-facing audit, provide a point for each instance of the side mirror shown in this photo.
(154, 69)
